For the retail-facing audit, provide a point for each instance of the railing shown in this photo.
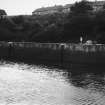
(55, 46)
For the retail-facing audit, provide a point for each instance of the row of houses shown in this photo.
(53, 9)
(97, 5)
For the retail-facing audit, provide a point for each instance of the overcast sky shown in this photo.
(18, 7)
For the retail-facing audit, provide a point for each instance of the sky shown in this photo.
(26, 7)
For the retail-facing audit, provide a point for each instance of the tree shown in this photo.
(2, 12)
(80, 21)
(18, 19)
(80, 25)
(81, 7)
(99, 27)
(103, 7)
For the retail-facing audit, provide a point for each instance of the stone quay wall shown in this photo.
(54, 53)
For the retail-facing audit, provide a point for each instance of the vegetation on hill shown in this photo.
(57, 27)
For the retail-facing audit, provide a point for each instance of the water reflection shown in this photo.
(22, 84)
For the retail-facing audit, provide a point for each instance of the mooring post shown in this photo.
(62, 56)
(9, 50)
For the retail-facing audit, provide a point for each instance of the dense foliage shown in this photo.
(2, 12)
(57, 27)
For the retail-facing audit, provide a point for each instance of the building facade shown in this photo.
(51, 10)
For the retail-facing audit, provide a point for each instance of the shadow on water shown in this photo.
(87, 75)
(80, 75)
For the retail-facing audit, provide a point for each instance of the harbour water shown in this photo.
(23, 84)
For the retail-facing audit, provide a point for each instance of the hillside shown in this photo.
(56, 27)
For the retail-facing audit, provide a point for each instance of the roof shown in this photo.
(49, 8)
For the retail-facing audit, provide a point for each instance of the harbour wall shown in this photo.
(64, 55)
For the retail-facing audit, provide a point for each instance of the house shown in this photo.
(47, 10)
(51, 10)
(66, 8)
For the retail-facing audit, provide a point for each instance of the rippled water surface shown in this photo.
(22, 84)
